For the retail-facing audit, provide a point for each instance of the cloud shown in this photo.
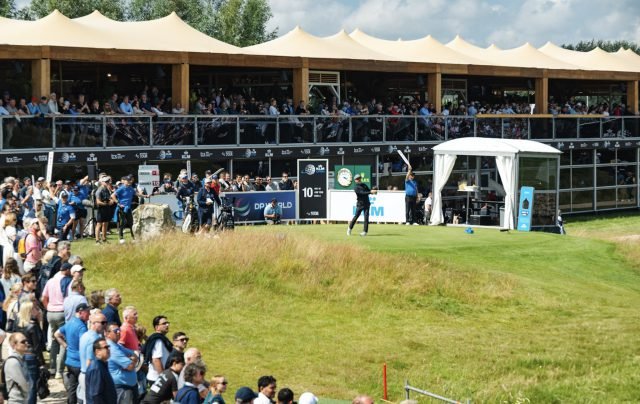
(503, 22)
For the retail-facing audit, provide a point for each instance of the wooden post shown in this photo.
(434, 90)
(301, 83)
(632, 97)
(40, 78)
(542, 95)
(180, 85)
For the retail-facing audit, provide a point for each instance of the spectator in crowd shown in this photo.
(266, 390)
(15, 371)
(53, 302)
(74, 299)
(29, 326)
(180, 341)
(122, 364)
(166, 386)
(244, 395)
(68, 336)
(97, 324)
(285, 184)
(158, 348)
(307, 398)
(100, 386)
(362, 399)
(194, 374)
(217, 387)
(285, 396)
(128, 336)
(113, 299)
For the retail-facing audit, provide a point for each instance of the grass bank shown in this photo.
(490, 316)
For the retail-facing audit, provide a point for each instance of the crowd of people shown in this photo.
(95, 344)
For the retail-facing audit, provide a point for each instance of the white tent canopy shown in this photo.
(506, 152)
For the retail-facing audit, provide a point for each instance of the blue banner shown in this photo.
(525, 208)
(249, 206)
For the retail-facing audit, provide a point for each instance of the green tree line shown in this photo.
(609, 46)
(238, 22)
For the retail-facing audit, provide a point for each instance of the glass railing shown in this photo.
(114, 131)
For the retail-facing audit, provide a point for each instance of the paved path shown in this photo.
(58, 395)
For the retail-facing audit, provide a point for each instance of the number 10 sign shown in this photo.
(313, 185)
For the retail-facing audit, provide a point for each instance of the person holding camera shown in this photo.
(103, 205)
(273, 212)
(362, 205)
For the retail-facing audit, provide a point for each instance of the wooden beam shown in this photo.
(301, 84)
(542, 95)
(434, 90)
(632, 97)
(180, 85)
(40, 77)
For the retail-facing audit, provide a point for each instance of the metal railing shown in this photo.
(113, 131)
(408, 389)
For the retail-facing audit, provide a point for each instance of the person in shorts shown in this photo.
(103, 206)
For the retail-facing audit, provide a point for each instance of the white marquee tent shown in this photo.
(507, 153)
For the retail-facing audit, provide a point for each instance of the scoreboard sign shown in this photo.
(313, 185)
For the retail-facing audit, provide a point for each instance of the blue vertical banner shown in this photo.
(525, 208)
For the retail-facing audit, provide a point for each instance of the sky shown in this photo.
(505, 23)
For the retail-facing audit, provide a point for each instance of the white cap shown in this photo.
(77, 268)
(308, 398)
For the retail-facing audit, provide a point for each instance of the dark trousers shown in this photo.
(359, 210)
(71, 383)
(125, 220)
(127, 394)
(410, 208)
(33, 368)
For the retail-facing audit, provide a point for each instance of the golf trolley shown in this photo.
(224, 220)
(190, 221)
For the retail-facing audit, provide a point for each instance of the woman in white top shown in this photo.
(10, 275)
(10, 232)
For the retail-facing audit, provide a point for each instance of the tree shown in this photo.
(76, 8)
(7, 8)
(243, 22)
(609, 46)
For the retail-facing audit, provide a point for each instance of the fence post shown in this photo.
(53, 132)
(406, 389)
(150, 131)
(1, 133)
(195, 131)
(104, 132)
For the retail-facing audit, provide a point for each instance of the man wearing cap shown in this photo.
(103, 204)
(68, 336)
(75, 200)
(66, 216)
(245, 395)
(33, 246)
(53, 302)
(206, 198)
(124, 194)
(362, 204)
(273, 212)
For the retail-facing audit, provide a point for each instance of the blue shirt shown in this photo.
(188, 394)
(76, 200)
(126, 108)
(270, 210)
(86, 349)
(411, 188)
(125, 196)
(111, 313)
(73, 331)
(118, 361)
(65, 213)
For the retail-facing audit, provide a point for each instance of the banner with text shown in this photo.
(249, 206)
(386, 206)
(313, 185)
(525, 208)
(148, 177)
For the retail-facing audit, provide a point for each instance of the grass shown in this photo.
(494, 317)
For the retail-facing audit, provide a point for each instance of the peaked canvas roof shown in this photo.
(298, 42)
(483, 146)
(596, 59)
(522, 56)
(426, 50)
(97, 31)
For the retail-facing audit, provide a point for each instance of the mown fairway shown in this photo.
(494, 317)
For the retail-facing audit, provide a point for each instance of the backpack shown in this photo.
(45, 273)
(12, 317)
(3, 380)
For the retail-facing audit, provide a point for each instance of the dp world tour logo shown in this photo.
(310, 169)
(243, 208)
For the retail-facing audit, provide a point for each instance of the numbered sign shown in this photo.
(313, 184)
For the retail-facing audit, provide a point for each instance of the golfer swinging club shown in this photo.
(363, 204)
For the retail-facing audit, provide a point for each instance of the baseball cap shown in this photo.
(214, 177)
(245, 394)
(308, 398)
(357, 176)
(77, 268)
(66, 266)
(82, 307)
(183, 176)
(207, 180)
(40, 179)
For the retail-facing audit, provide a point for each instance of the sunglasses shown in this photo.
(105, 347)
(183, 339)
(24, 342)
(100, 322)
(116, 330)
